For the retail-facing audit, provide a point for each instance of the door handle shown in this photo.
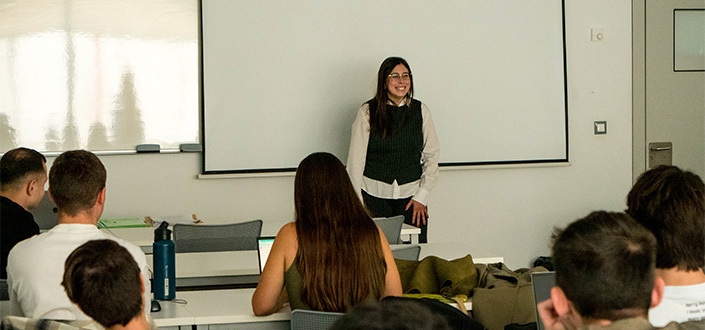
(660, 148)
(660, 153)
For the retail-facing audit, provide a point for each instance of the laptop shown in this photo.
(264, 246)
(542, 284)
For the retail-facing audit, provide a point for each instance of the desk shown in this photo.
(225, 263)
(225, 309)
(240, 269)
(218, 309)
(172, 315)
(451, 251)
(215, 270)
(220, 263)
(144, 236)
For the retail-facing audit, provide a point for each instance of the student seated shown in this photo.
(671, 204)
(103, 279)
(23, 173)
(35, 266)
(604, 276)
(333, 256)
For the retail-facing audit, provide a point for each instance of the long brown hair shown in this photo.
(340, 255)
(379, 120)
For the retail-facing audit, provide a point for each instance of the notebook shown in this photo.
(542, 284)
(264, 246)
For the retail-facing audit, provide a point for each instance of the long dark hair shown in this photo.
(340, 256)
(379, 119)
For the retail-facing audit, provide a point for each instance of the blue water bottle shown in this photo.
(164, 264)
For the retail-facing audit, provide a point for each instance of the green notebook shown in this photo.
(122, 223)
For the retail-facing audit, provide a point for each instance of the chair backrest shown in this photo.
(24, 323)
(391, 227)
(312, 320)
(210, 238)
(4, 290)
(406, 252)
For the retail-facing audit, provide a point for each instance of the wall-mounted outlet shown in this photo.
(600, 127)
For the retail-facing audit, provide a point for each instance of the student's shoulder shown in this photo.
(424, 108)
(287, 232)
(134, 250)
(365, 107)
(690, 325)
(31, 243)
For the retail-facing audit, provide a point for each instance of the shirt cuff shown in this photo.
(422, 196)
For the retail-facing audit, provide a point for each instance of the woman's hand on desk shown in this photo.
(420, 212)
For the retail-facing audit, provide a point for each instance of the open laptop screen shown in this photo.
(542, 284)
(264, 246)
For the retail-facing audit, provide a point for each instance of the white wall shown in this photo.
(506, 212)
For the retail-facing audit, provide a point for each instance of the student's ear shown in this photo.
(50, 195)
(142, 283)
(101, 197)
(657, 291)
(560, 302)
(29, 187)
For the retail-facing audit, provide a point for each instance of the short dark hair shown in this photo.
(103, 279)
(670, 203)
(605, 265)
(75, 180)
(17, 164)
(391, 314)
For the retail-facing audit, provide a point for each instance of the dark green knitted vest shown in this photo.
(398, 155)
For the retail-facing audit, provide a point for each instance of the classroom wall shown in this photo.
(487, 211)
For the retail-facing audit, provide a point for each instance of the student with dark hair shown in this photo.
(36, 265)
(604, 276)
(394, 149)
(670, 203)
(23, 173)
(103, 279)
(332, 256)
(391, 314)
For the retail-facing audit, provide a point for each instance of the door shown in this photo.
(674, 83)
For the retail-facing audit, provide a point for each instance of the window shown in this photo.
(98, 74)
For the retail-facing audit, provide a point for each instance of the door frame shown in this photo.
(639, 145)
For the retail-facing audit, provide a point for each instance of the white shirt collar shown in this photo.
(401, 104)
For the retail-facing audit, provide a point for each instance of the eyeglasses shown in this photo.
(395, 76)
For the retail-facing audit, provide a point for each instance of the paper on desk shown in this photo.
(172, 219)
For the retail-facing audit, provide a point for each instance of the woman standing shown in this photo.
(394, 149)
(333, 256)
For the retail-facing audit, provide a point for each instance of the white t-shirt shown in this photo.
(35, 269)
(680, 304)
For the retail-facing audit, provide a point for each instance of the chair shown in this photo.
(391, 227)
(24, 323)
(312, 320)
(210, 238)
(4, 290)
(406, 252)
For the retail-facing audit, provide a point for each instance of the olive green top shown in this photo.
(292, 280)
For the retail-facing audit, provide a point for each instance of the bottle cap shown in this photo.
(162, 233)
